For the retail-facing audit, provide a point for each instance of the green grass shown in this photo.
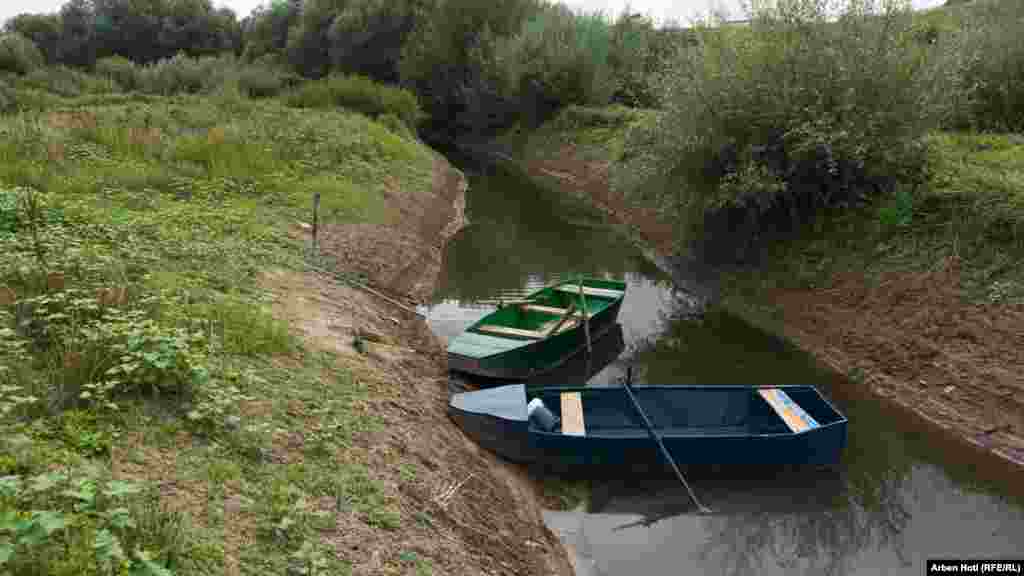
(596, 134)
(133, 230)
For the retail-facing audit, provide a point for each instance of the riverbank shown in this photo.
(186, 386)
(926, 312)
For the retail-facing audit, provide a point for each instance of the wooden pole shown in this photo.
(586, 316)
(316, 221)
(626, 384)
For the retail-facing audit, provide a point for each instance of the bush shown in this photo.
(360, 94)
(395, 125)
(8, 99)
(771, 122)
(18, 54)
(120, 70)
(560, 56)
(68, 82)
(576, 117)
(995, 52)
(260, 82)
(584, 59)
(178, 74)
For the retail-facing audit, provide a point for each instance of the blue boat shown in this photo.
(743, 425)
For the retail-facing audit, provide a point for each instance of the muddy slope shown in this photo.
(910, 337)
(474, 514)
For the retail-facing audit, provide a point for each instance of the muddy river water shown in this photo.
(904, 493)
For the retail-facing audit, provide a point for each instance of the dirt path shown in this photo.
(912, 339)
(491, 523)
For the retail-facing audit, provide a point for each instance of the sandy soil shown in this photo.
(492, 524)
(912, 338)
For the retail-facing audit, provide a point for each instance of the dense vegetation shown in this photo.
(472, 65)
(763, 126)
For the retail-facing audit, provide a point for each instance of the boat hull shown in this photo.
(819, 448)
(540, 356)
(720, 439)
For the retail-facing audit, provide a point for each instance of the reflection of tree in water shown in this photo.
(716, 347)
(824, 542)
(863, 510)
(517, 231)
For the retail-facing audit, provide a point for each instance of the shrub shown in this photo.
(178, 74)
(583, 59)
(575, 117)
(260, 82)
(68, 82)
(18, 54)
(8, 99)
(120, 70)
(800, 110)
(561, 56)
(360, 94)
(395, 125)
(995, 52)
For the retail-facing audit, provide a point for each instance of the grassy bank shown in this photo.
(159, 414)
(138, 342)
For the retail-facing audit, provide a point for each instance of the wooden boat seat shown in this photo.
(550, 310)
(572, 414)
(588, 291)
(790, 412)
(508, 331)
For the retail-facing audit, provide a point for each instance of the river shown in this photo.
(905, 491)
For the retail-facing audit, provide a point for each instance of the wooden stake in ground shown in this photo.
(316, 220)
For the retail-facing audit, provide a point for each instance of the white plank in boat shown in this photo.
(494, 329)
(572, 414)
(550, 310)
(588, 291)
(790, 412)
(568, 325)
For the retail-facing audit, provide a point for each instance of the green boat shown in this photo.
(527, 337)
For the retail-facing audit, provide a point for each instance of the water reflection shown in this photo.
(520, 237)
(792, 524)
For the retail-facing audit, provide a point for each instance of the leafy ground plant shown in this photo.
(136, 345)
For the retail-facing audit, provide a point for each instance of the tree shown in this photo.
(42, 29)
(76, 46)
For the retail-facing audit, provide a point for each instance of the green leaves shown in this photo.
(108, 549)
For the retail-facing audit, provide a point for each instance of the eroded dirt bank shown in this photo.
(468, 513)
(910, 337)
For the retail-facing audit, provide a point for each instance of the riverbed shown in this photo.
(905, 492)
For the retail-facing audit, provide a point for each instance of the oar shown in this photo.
(657, 439)
(586, 323)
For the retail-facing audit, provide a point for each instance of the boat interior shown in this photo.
(549, 312)
(681, 410)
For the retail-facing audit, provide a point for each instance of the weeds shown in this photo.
(360, 94)
(79, 521)
(132, 233)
